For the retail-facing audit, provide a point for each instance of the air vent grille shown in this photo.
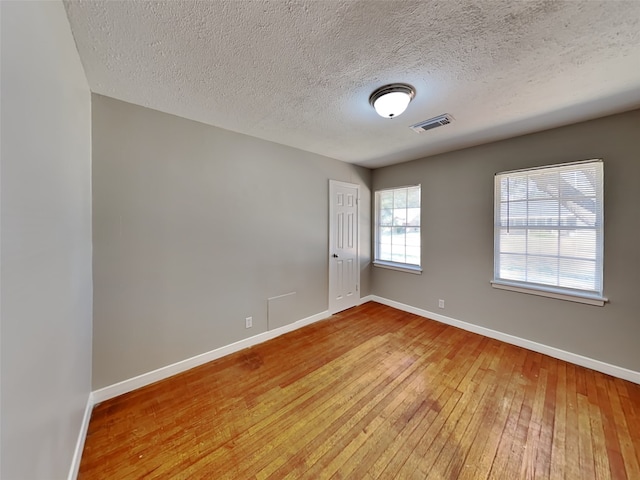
(439, 121)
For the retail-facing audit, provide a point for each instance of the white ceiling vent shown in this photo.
(439, 121)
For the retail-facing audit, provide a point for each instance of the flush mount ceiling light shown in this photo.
(391, 100)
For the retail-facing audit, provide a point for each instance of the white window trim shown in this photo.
(560, 293)
(387, 264)
(543, 291)
(400, 267)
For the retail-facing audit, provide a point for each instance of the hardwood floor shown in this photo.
(372, 392)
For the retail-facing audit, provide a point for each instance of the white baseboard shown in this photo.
(134, 383)
(82, 435)
(368, 298)
(587, 362)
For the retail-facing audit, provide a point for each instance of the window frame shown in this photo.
(563, 292)
(389, 264)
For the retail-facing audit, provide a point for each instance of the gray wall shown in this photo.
(45, 221)
(194, 228)
(457, 240)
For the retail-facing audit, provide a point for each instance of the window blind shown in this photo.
(549, 228)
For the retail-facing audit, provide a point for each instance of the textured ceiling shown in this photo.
(300, 72)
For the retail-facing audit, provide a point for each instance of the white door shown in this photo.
(344, 269)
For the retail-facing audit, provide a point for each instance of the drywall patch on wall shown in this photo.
(281, 310)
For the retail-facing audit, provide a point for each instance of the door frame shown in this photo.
(332, 184)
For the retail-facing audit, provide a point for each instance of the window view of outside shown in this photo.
(398, 225)
(549, 226)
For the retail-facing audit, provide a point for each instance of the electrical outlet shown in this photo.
(248, 322)
(441, 303)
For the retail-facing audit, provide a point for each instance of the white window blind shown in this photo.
(549, 228)
(397, 226)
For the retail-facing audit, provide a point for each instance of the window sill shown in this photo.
(588, 300)
(400, 267)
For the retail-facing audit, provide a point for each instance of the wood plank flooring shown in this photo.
(372, 393)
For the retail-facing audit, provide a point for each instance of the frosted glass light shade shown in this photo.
(392, 104)
(391, 100)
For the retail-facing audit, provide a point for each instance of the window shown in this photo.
(548, 231)
(397, 228)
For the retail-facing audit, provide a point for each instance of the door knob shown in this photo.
(335, 256)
